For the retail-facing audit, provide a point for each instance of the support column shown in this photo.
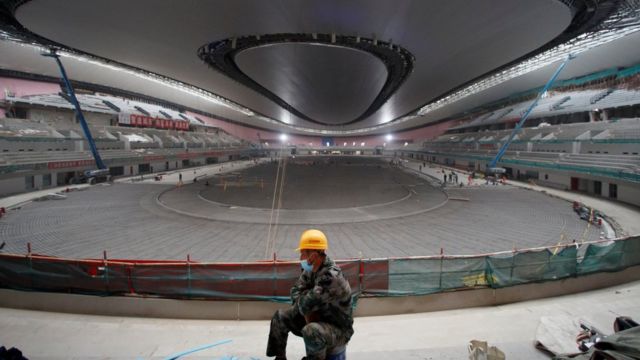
(575, 147)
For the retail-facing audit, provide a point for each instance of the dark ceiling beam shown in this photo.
(220, 56)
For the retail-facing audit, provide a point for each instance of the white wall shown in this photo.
(98, 119)
(558, 180)
(12, 186)
(61, 119)
(618, 149)
(65, 119)
(36, 146)
(160, 166)
(552, 147)
(627, 192)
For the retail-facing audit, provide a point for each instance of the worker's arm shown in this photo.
(310, 301)
(320, 294)
(301, 287)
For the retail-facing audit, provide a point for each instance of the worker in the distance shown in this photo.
(321, 311)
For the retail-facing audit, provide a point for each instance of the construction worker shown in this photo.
(322, 308)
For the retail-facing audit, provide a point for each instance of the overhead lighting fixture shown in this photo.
(616, 26)
(283, 137)
(158, 79)
(575, 46)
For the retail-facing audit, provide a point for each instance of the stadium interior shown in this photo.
(474, 165)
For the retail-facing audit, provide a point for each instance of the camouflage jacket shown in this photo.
(326, 293)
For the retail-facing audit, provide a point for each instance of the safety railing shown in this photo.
(602, 171)
(272, 280)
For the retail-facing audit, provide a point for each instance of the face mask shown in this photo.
(306, 266)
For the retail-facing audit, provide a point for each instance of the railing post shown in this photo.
(275, 275)
(441, 266)
(30, 263)
(106, 269)
(189, 275)
(575, 268)
(360, 275)
(513, 261)
(129, 279)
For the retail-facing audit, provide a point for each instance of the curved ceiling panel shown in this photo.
(330, 84)
(452, 42)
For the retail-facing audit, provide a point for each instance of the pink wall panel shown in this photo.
(26, 87)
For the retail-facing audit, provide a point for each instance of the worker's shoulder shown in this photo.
(331, 269)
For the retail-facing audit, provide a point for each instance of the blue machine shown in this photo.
(68, 90)
(491, 167)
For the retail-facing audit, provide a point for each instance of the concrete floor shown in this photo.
(314, 183)
(437, 335)
(128, 221)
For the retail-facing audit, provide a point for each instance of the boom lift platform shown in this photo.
(102, 172)
(492, 168)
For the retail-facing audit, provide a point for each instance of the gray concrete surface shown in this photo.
(626, 215)
(125, 220)
(441, 335)
(332, 191)
(314, 183)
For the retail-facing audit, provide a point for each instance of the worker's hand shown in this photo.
(312, 317)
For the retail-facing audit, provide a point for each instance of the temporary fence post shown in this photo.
(130, 280)
(513, 264)
(106, 269)
(30, 263)
(360, 275)
(275, 275)
(441, 266)
(575, 263)
(188, 275)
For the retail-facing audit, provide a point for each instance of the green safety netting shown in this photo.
(528, 267)
(612, 256)
(630, 71)
(426, 276)
(273, 280)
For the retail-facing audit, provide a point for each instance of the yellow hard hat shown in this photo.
(313, 239)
